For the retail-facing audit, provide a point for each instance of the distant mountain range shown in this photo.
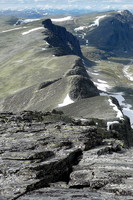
(38, 13)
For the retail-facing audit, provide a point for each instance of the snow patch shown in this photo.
(119, 113)
(97, 21)
(80, 28)
(101, 81)
(96, 74)
(110, 123)
(66, 101)
(93, 73)
(13, 29)
(126, 108)
(126, 72)
(119, 11)
(19, 61)
(87, 42)
(44, 49)
(62, 19)
(32, 30)
(102, 86)
(25, 21)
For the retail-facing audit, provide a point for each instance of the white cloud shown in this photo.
(75, 4)
(127, 6)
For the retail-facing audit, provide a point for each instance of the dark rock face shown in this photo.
(115, 33)
(61, 40)
(41, 152)
(82, 87)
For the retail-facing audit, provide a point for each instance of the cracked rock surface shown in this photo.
(51, 156)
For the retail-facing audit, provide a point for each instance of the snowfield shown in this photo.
(13, 29)
(80, 28)
(66, 101)
(103, 86)
(119, 113)
(126, 72)
(32, 30)
(25, 21)
(126, 108)
(62, 19)
(97, 21)
(110, 123)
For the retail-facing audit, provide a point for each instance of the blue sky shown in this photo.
(69, 4)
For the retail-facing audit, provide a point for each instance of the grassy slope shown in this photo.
(24, 63)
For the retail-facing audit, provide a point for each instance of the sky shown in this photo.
(68, 4)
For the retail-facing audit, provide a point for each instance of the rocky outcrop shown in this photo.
(41, 152)
(62, 41)
(115, 33)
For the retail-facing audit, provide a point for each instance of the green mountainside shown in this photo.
(66, 107)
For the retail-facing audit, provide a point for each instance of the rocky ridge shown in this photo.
(51, 155)
(42, 152)
(75, 82)
(62, 41)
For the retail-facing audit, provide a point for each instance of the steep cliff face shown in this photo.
(63, 42)
(115, 33)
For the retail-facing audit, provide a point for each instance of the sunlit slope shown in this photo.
(25, 59)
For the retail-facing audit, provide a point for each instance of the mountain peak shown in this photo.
(125, 16)
(47, 23)
(62, 41)
(114, 33)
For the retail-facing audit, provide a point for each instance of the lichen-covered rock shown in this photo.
(50, 150)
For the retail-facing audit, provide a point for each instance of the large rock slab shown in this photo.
(50, 150)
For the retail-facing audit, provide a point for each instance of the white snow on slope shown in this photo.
(110, 123)
(96, 74)
(66, 101)
(19, 61)
(119, 113)
(97, 21)
(25, 21)
(62, 19)
(101, 81)
(126, 108)
(30, 20)
(80, 28)
(13, 29)
(102, 86)
(32, 30)
(126, 72)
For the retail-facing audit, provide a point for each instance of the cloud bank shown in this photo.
(68, 4)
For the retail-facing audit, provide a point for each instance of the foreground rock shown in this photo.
(50, 150)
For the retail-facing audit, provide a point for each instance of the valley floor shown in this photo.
(114, 77)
